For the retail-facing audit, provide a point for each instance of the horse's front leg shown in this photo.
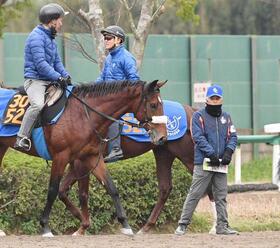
(164, 160)
(103, 175)
(57, 170)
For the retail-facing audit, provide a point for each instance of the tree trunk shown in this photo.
(94, 18)
(146, 20)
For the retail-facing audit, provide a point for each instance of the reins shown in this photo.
(122, 122)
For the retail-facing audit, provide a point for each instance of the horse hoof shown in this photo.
(77, 233)
(127, 231)
(2, 234)
(213, 230)
(48, 235)
(141, 232)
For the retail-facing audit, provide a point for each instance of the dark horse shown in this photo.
(182, 149)
(78, 133)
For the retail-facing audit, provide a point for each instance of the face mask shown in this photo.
(214, 110)
(53, 32)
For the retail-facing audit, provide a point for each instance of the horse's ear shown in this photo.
(161, 83)
(155, 85)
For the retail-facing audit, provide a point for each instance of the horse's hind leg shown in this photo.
(103, 175)
(164, 160)
(3, 150)
(76, 171)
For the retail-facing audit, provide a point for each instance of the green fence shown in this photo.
(246, 66)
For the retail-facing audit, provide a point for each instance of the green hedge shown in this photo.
(23, 191)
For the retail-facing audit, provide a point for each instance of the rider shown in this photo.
(42, 65)
(119, 65)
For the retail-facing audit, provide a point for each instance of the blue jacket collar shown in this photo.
(116, 50)
(45, 30)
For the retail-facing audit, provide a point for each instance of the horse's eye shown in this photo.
(153, 106)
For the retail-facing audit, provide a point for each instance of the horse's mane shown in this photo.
(105, 87)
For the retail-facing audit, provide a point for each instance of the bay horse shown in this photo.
(90, 110)
(182, 148)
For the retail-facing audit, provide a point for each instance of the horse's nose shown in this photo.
(162, 140)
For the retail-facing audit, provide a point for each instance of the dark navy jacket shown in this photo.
(212, 135)
(41, 58)
(119, 65)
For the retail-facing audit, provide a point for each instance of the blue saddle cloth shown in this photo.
(176, 124)
(37, 133)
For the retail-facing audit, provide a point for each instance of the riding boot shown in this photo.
(116, 151)
(115, 154)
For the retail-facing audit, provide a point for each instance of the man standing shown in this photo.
(215, 139)
(42, 65)
(119, 65)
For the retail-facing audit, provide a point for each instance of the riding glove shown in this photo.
(214, 161)
(64, 82)
(227, 156)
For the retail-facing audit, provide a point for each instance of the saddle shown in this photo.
(55, 100)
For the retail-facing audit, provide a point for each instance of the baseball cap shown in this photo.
(214, 90)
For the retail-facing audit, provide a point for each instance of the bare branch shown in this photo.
(83, 15)
(8, 203)
(130, 17)
(75, 44)
(159, 11)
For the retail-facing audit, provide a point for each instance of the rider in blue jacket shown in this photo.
(119, 65)
(42, 65)
(214, 138)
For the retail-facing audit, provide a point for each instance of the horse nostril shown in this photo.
(162, 140)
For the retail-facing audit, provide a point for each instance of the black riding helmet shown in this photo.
(51, 12)
(115, 31)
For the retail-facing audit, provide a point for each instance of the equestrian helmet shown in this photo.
(51, 12)
(115, 31)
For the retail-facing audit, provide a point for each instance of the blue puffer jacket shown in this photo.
(212, 135)
(119, 65)
(41, 57)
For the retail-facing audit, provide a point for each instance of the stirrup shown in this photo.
(24, 143)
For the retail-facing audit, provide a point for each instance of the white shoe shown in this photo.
(181, 230)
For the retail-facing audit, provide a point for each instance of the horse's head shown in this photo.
(151, 114)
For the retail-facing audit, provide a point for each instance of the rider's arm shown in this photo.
(130, 68)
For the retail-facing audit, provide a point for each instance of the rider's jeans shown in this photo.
(35, 90)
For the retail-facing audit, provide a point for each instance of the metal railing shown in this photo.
(268, 139)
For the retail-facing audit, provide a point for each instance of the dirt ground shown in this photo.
(256, 239)
(242, 205)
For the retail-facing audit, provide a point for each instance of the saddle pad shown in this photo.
(176, 124)
(8, 130)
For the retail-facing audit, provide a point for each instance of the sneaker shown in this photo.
(22, 143)
(181, 230)
(226, 231)
(115, 154)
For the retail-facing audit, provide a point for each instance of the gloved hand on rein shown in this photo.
(64, 82)
(227, 156)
